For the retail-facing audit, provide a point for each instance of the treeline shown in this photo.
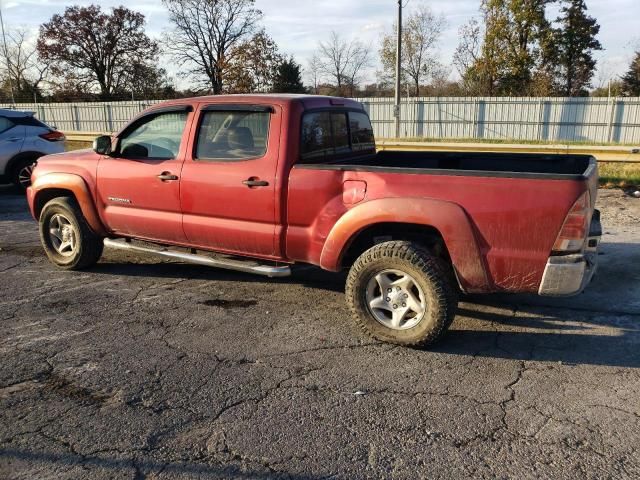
(221, 46)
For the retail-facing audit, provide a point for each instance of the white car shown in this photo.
(24, 139)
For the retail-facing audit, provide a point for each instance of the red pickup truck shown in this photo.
(259, 182)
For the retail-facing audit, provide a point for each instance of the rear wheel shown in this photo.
(66, 237)
(400, 293)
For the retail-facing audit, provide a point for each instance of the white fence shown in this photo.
(597, 120)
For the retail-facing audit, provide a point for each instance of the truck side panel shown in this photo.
(514, 222)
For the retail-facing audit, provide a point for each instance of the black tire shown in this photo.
(432, 279)
(18, 171)
(88, 246)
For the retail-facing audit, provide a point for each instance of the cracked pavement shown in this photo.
(142, 368)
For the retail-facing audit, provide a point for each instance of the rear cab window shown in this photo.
(335, 134)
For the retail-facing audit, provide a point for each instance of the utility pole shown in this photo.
(6, 56)
(396, 108)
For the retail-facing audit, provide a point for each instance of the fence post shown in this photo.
(540, 110)
(612, 110)
(75, 117)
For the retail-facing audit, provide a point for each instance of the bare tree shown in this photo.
(467, 56)
(469, 49)
(20, 62)
(420, 36)
(343, 61)
(314, 72)
(206, 33)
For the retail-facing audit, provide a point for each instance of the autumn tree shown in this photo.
(206, 35)
(421, 33)
(343, 61)
(517, 43)
(574, 42)
(631, 79)
(288, 78)
(253, 65)
(95, 49)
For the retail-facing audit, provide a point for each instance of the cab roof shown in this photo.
(309, 101)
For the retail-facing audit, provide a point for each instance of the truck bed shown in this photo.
(516, 165)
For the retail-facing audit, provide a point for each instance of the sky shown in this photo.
(298, 25)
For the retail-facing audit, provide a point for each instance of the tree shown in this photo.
(206, 35)
(96, 49)
(420, 35)
(20, 64)
(288, 78)
(517, 43)
(575, 41)
(147, 82)
(343, 61)
(631, 79)
(253, 65)
(314, 71)
(466, 58)
(613, 88)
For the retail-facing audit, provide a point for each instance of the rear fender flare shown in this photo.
(76, 185)
(447, 217)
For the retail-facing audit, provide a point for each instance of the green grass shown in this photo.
(613, 175)
(70, 145)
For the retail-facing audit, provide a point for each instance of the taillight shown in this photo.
(576, 226)
(53, 136)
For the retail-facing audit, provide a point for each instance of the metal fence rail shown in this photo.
(595, 120)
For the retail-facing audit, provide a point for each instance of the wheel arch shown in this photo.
(53, 185)
(444, 225)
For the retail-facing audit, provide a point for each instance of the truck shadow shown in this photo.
(582, 330)
(124, 467)
(311, 277)
(544, 334)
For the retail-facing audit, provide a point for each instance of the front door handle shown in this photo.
(254, 182)
(167, 176)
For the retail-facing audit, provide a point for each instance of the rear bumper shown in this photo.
(568, 275)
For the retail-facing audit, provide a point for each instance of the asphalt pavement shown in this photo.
(145, 369)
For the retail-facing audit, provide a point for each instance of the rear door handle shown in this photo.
(253, 182)
(167, 176)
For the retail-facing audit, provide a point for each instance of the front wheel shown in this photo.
(66, 237)
(400, 293)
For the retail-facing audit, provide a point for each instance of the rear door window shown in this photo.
(232, 135)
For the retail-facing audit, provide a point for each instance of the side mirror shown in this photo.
(102, 145)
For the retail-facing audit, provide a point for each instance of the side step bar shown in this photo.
(229, 264)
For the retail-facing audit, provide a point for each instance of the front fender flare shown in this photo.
(76, 185)
(447, 217)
